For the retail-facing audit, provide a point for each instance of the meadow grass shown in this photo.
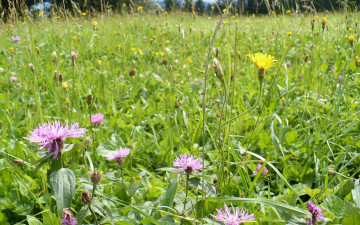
(302, 124)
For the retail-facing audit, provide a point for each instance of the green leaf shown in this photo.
(63, 182)
(356, 193)
(351, 214)
(335, 205)
(33, 221)
(169, 196)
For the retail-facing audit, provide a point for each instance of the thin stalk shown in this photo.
(186, 194)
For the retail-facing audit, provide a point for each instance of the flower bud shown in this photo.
(306, 58)
(60, 77)
(132, 72)
(218, 70)
(31, 66)
(95, 178)
(89, 99)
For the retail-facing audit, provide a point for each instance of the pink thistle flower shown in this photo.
(52, 135)
(97, 119)
(18, 84)
(288, 64)
(13, 79)
(121, 77)
(188, 163)
(118, 155)
(263, 172)
(333, 70)
(68, 218)
(339, 78)
(235, 218)
(317, 213)
(16, 38)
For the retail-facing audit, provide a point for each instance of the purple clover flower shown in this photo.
(317, 214)
(52, 135)
(13, 79)
(16, 38)
(263, 172)
(68, 218)
(235, 218)
(97, 119)
(288, 64)
(188, 163)
(118, 155)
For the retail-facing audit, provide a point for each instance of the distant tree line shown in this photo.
(198, 6)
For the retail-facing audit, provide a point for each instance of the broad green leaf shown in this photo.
(351, 215)
(335, 205)
(33, 221)
(169, 196)
(63, 182)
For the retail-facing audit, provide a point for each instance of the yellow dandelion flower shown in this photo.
(94, 23)
(224, 10)
(154, 37)
(41, 13)
(167, 42)
(191, 27)
(193, 12)
(157, 53)
(239, 53)
(317, 17)
(212, 7)
(84, 13)
(140, 8)
(289, 33)
(323, 20)
(350, 29)
(188, 59)
(351, 38)
(166, 12)
(67, 100)
(57, 17)
(139, 51)
(162, 53)
(167, 22)
(357, 59)
(64, 85)
(133, 49)
(74, 38)
(38, 49)
(124, 4)
(225, 22)
(99, 62)
(11, 49)
(151, 40)
(262, 61)
(288, 12)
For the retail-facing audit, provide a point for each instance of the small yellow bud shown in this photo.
(64, 85)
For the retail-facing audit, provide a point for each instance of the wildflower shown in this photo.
(94, 23)
(97, 119)
(151, 40)
(263, 62)
(132, 72)
(289, 33)
(235, 218)
(166, 22)
(124, 4)
(67, 100)
(225, 22)
(218, 70)
(64, 85)
(323, 22)
(333, 70)
(350, 29)
(13, 79)
(188, 163)
(317, 214)
(224, 10)
(99, 62)
(54, 56)
(263, 172)
(16, 38)
(357, 60)
(11, 49)
(166, 12)
(140, 52)
(212, 7)
(119, 155)
(121, 77)
(288, 64)
(339, 78)
(167, 42)
(74, 55)
(188, 59)
(38, 50)
(41, 13)
(84, 13)
(193, 12)
(140, 8)
(74, 38)
(288, 11)
(68, 218)
(351, 40)
(52, 135)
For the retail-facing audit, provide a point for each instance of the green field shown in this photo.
(147, 74)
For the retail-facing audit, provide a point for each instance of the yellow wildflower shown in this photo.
(289, 33)
(225, 22)
(323, 20)
(64, 85)
(166, 12)
(41, 13)
(350, 29)
(224, 10)
(124, 4)
(94, 23)
(99, 62)
(84, 13)
(11, 49)
(188, 59)
(67, 100)
(288, 12)
(74, 38)
(140, 8)
(167, 42)
(212, 7)
(262, 61)
(139, 51)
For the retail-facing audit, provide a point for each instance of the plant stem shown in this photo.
(186, 194)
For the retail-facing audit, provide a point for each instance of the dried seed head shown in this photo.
(55, 74)
(86, 198)
(95, 178)
(31, 66)
(87, 142)
(60, 77)
(164, 62)
(89, 99)
(54, 57)
(218, 70)
(176, 105)
(18, 162)
(217, 52)
(132, 72)
(306, 58)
